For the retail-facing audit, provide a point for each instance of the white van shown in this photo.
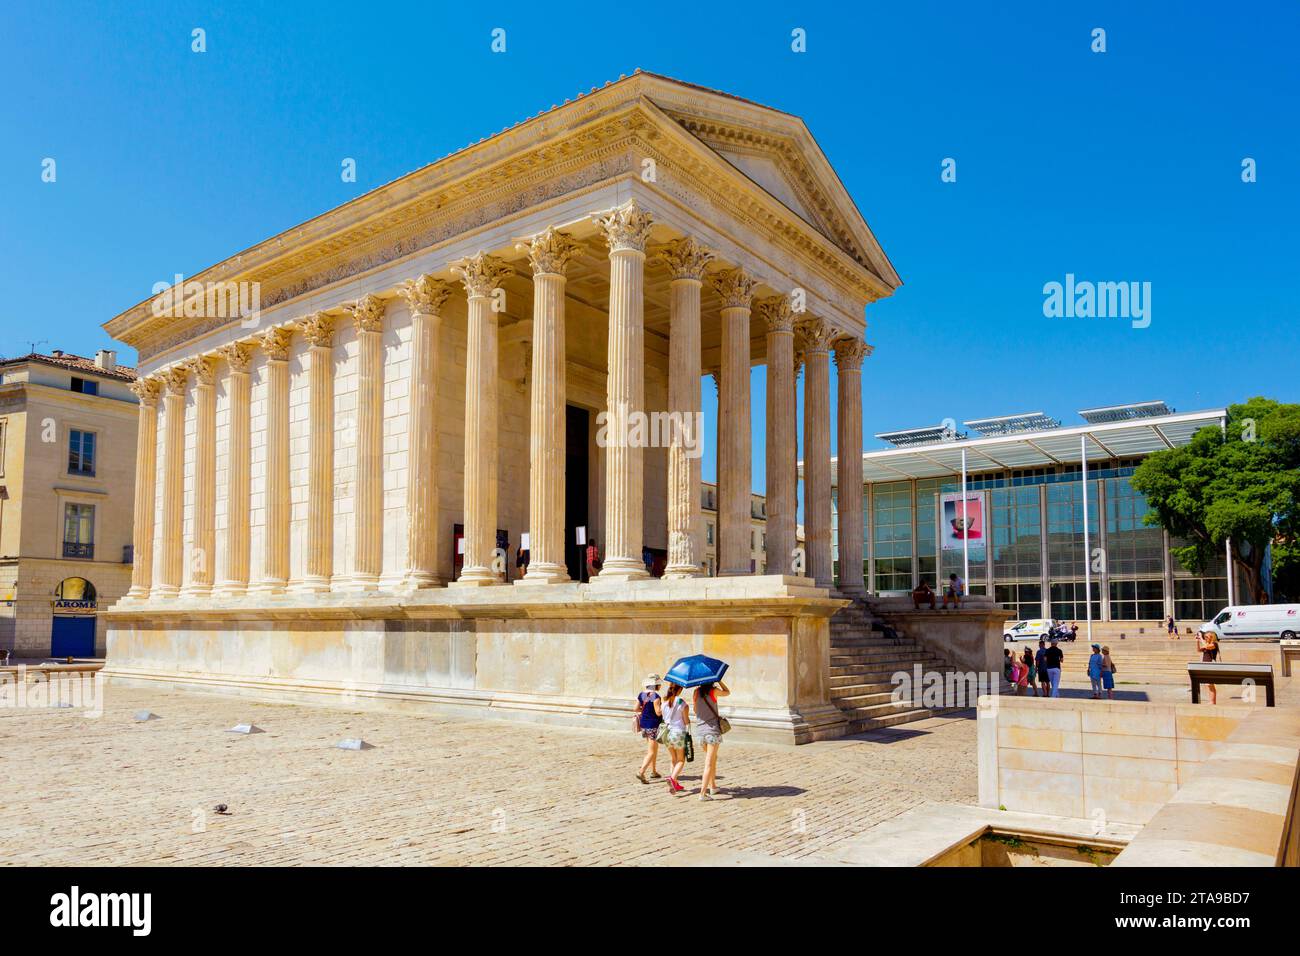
(1027, 630)
(1259, 621)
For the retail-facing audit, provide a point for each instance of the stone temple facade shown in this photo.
(332, 491)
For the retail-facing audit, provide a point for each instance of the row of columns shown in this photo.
(626, 230)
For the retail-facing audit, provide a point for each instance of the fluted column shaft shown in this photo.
(782, 443)
(368, 316)
(549, 254)
(173, 476)
(426, 297)
(626, 229)
(735, 461)
(817, 457)
(203, 555)
(234, 576)
(481, 274)
(849, 354)
(146, 478)
(275, 546)
(686, 261)
(319, 332)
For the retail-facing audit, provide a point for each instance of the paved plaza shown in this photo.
(115, 792)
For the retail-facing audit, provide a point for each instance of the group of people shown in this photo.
(955, 591)
(1039, 673)
(666, 719)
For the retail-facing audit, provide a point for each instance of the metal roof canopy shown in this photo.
(926, 435)
(1009, 424)
(1124, 413)
(1041, 449)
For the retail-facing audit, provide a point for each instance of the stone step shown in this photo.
(858, 725)
(863, 702)
(885, 674)
(850, 684)
(872, 657)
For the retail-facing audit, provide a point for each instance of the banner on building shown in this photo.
(957, 525)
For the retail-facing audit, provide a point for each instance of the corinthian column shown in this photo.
(481, 274)
(146, 477)
(368, 512)
(626, 229)
(735, 469)
(849, 354)
(781, 438)
(275, 548)
(815, 337)
(549, 255)
(234, 574)
(426, 297)
(203, 553)
(318, 330)
(686, 261)
(173, 472)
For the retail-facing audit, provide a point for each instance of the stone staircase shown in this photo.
(863, 662)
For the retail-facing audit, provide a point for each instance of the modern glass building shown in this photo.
(1025, 494)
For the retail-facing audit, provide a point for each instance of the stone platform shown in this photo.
(566, 653)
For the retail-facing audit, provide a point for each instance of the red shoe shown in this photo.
(674, 786)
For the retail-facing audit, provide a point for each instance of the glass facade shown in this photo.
(1032, 556)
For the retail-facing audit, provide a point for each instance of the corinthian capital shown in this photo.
(815, 334)
(237, 355)
(551, 252)
(318, 330)
(368, 313)
(426, 295)
(176, 379)
(685, 258)
(204, 368)
(849, 353)
(481, 274)
(736, 287)
(775, 311)
(147, 389)
(275, 343)
(625, 227)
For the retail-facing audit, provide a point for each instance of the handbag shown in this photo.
(690, 749)
(724, 725)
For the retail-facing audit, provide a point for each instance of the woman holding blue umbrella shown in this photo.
(705, 674)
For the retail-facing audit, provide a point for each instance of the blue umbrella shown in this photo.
(695, 670)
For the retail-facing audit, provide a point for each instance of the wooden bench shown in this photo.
(1290, 652)
(1260, 675)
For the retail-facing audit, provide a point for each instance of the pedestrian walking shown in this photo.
(647, 720)
(1170, 627)
(674, 732)
(1054, 658)
(1094, 671)
(1031, 668)
(712, 726)
(1107, 672)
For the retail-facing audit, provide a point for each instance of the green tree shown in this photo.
(1242, 483)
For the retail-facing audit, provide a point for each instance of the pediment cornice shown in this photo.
(595, 140)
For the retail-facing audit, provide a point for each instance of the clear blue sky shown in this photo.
(1117, 166)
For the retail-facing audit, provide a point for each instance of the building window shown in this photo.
(1132, 547)
(81, 453)
(86, 386)
(1068, 604)
(708, 532)
(79, 531)
(1022, 601)
(891, 529)
(1137, 600)
(1199, 599)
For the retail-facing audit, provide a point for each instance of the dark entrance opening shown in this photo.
(577, 424)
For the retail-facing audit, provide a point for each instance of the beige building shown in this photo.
(67, 474)
(757, 530)
(334, 489)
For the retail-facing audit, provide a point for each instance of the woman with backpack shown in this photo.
(646, 722)
(712, 726)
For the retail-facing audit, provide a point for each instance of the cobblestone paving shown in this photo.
(111, 791)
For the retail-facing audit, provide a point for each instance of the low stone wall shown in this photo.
(1240, 807)
(1110, 761)
(970, 638)
(565, 653)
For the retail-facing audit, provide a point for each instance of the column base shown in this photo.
(418, 580)
(683, 571)
(539, 573)
(621, 569)
(137, 593)
(196, 590)
(231, 589)
(269, 587)
(166, 591)
(364, 582)
(476, 578)
(312, 584)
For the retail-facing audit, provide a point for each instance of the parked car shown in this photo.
(1030, 630)
(1259, 621)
